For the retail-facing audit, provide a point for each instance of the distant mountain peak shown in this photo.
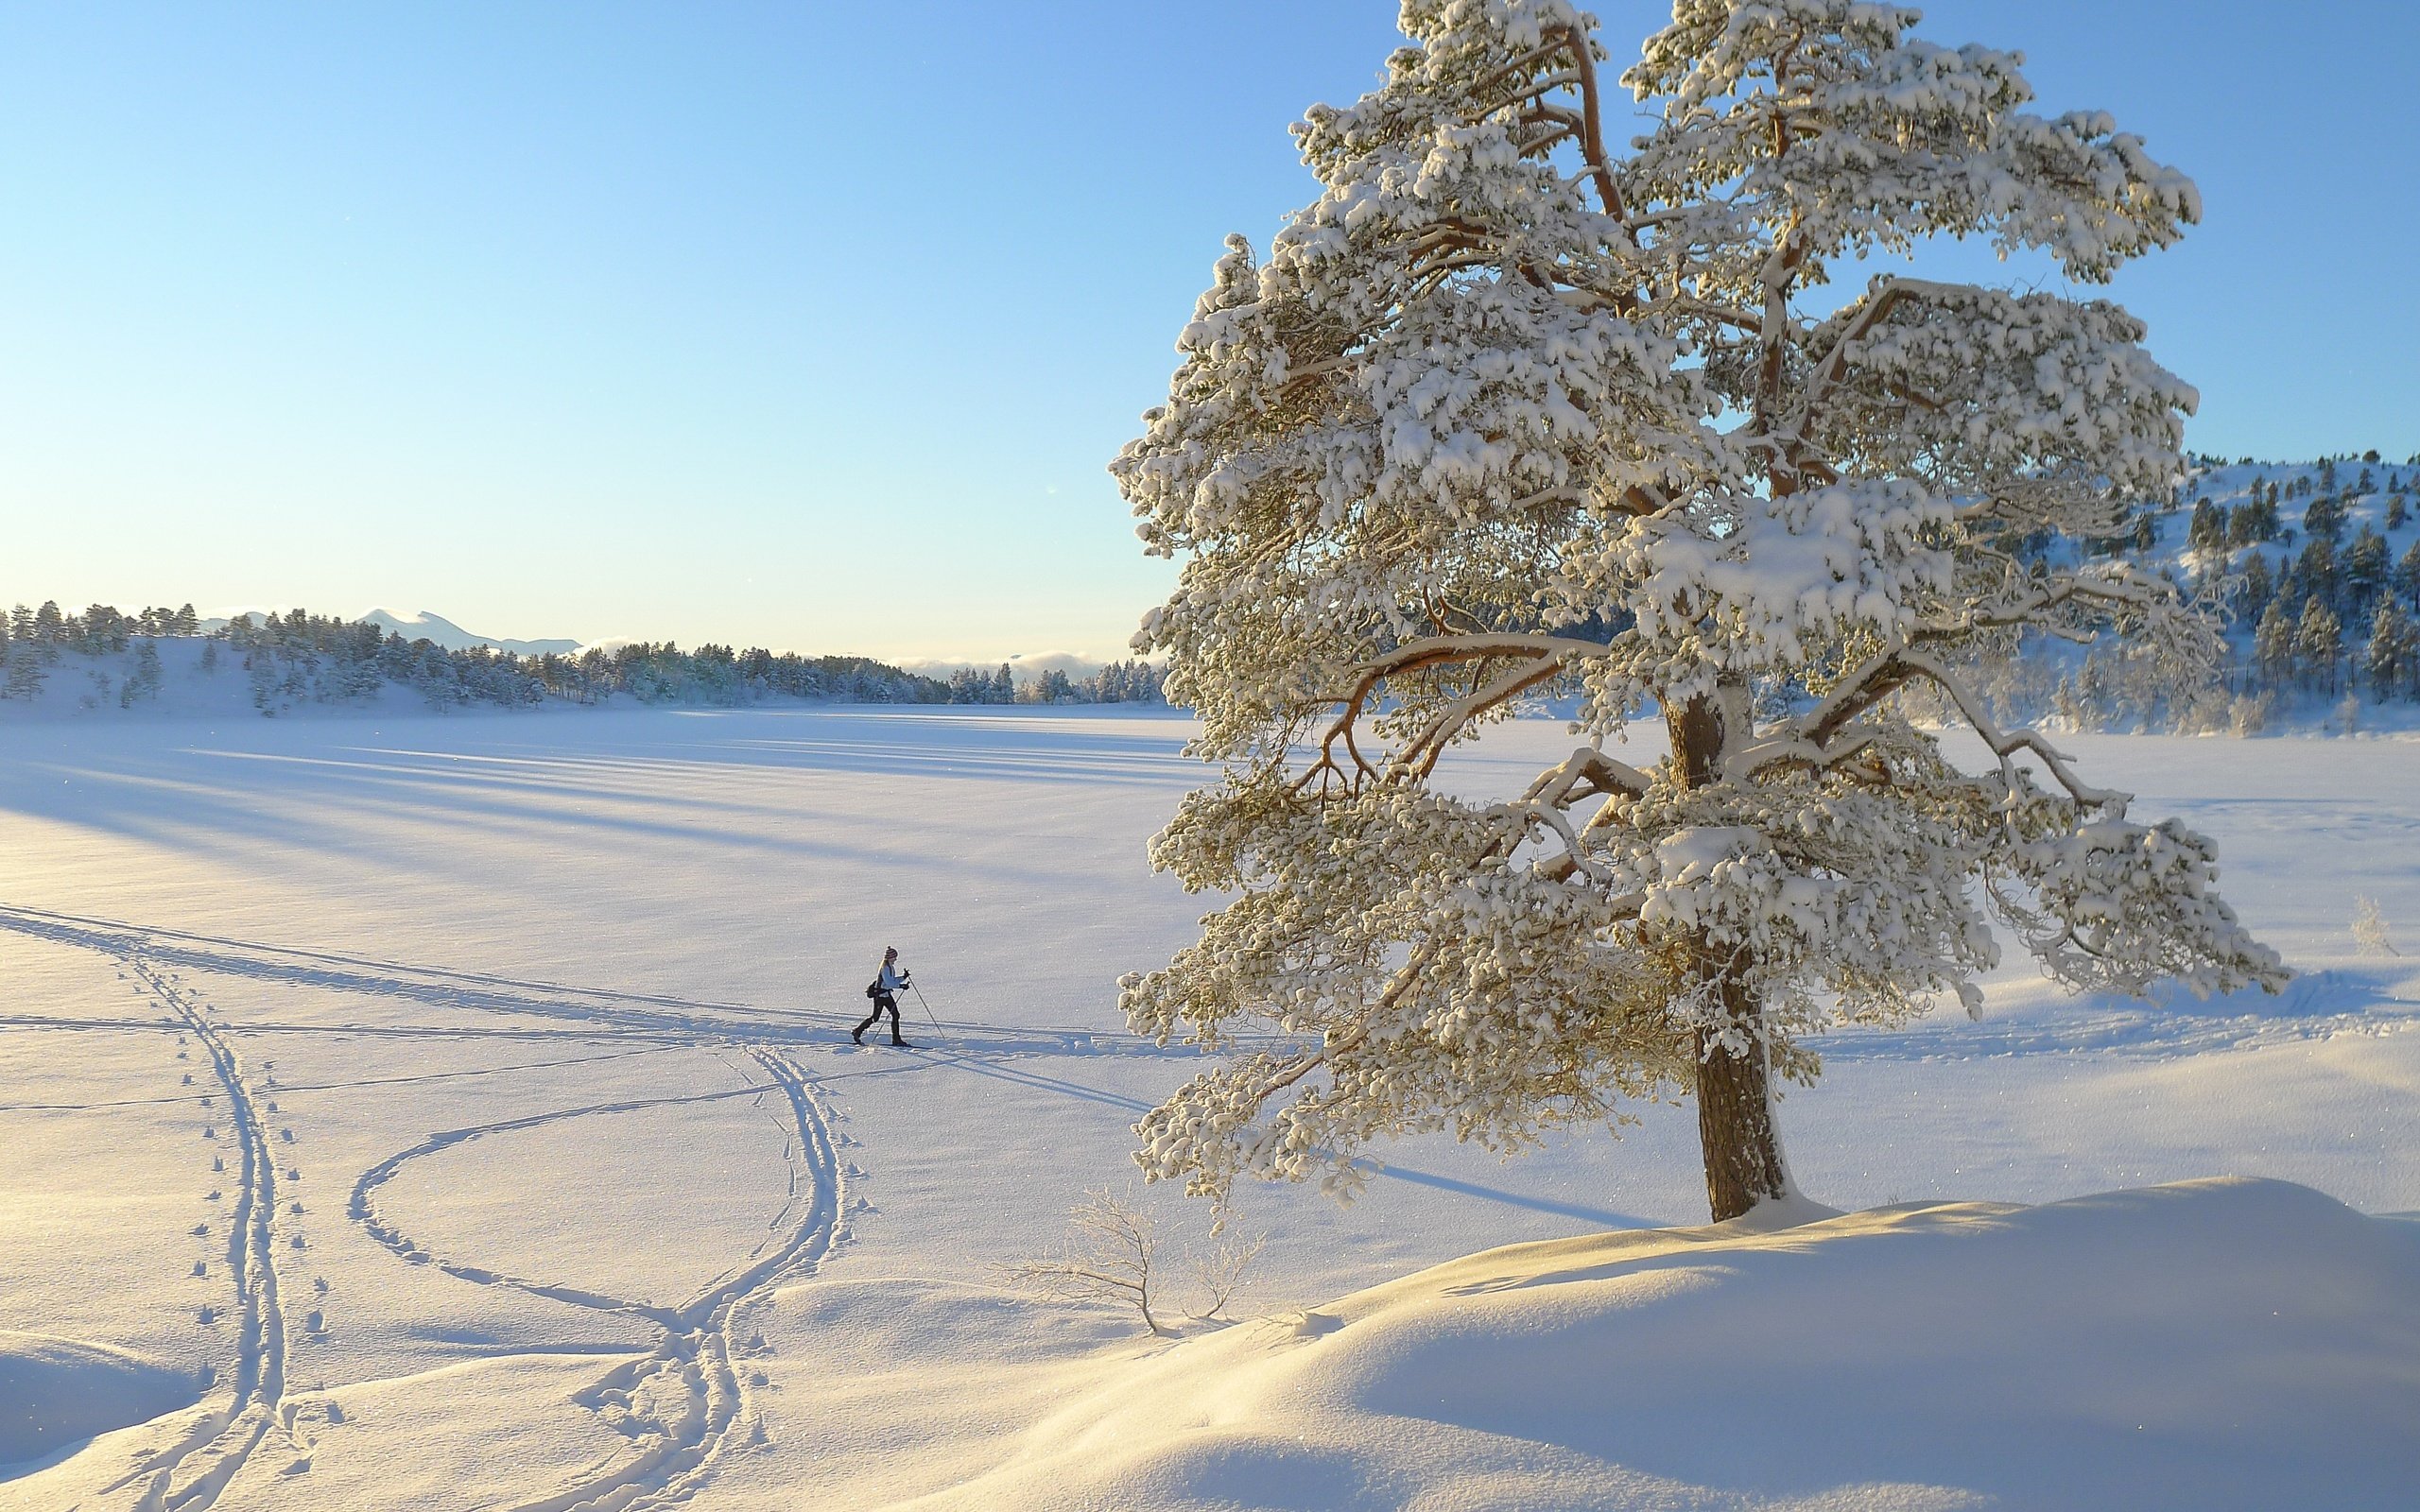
(423, 625)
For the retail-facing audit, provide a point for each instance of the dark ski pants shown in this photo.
(883, 1003)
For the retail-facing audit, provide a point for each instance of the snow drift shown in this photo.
(2222, 1343)
(59, 1391)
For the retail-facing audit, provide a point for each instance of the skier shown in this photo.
(891, 980)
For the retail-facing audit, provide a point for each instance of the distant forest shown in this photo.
(2310, 571)
(298, 658)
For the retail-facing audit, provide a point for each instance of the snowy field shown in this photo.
(458, 1112)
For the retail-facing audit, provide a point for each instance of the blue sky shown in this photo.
(813, 325)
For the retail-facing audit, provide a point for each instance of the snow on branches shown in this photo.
(1503, 415)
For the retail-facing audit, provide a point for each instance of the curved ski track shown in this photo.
(187, 1476)
(685, 1405)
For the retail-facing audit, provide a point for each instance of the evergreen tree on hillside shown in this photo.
(1508, 412)
(2318, 643)
(2407, 576)
(2272, 644)
(2257, 589)
(2365, 571)
(261, 671)
(25, 675)
(2315, 573)
(2392, 660)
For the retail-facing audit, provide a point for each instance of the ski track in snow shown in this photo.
(683, 1406)
(597, 1013)
(187, 1476)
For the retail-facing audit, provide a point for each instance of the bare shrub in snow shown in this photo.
(1219, 1270)
(1108, 1257)
(1508, 413)
(1114, 1253)
(2369, 928)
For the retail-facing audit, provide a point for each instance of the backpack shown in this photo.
(873, 989)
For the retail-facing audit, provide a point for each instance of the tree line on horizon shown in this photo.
(298, 658)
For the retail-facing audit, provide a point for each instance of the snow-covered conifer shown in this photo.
(2258, 587)
(2273, 642)
(25, 675)
(2393, 657)
(1509, 411)
(2366, 567)
(2316, 571)
(2407, 576)
(2319, 639)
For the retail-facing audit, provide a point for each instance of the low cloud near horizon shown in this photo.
(1023, 667)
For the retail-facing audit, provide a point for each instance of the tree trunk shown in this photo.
(1736, 1134)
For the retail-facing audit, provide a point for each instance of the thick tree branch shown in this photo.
(1832, 366)
(1549, 655)
(1905, 665)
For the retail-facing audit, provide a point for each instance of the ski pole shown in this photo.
(927, 1006)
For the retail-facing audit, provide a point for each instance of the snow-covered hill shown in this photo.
(2215, 1344)
(2314, 570)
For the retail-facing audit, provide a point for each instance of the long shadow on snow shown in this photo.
(1062, 1086)
(601, 1009)
(2171, 1021)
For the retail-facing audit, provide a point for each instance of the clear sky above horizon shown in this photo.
(813, 326)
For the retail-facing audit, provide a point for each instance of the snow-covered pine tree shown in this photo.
(2393, 655)
(1507, 412)
(2366, 568)
(25, 673)
(2258, 587)
(2319, 639)
(2273, 643)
